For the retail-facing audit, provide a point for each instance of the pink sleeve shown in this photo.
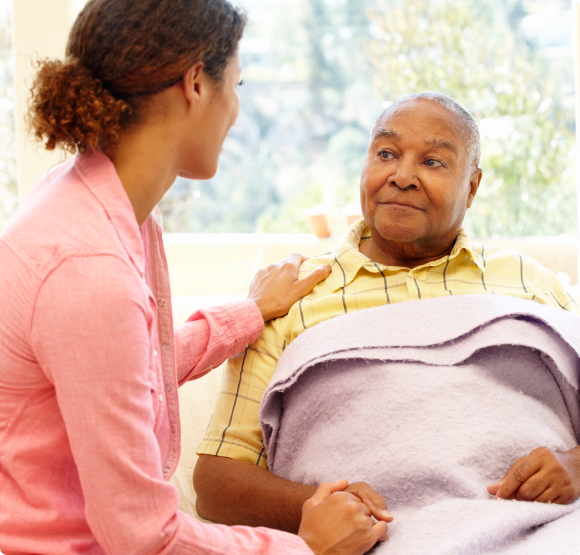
(212, 335)
(91, 335)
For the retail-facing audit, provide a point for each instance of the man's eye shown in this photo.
(432, 163)
(385, 154)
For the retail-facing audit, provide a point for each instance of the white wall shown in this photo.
(41, 29)
(576, 47)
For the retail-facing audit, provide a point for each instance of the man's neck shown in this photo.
(404, 255)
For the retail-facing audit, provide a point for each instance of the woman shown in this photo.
(89, 360)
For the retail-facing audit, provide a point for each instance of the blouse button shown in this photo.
(161, 303)
(168, 388)
(155, 353)
(165, 346)
(161, 398)
(165, 469)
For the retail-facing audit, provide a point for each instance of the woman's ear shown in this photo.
(194, 83)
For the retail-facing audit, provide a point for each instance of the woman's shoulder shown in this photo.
(63, 218)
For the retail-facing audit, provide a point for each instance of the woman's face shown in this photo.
(218, 110)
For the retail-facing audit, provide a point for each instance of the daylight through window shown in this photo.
(318, 72)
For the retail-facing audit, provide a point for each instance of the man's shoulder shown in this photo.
(505, 256)
(277, 330)
(503, 264)
(312, 263)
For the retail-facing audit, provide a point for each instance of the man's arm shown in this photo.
(235, 486)
(238, 492)
(233, 492)
(544, 475)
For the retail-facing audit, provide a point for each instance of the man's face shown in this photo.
(417, 180)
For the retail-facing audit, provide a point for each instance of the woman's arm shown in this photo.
(91, 335)
(211, 336)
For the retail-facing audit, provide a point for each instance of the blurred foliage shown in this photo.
(528, 156)
(306, 112)
(8, 192)
(318, 73)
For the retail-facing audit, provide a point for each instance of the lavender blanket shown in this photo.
(430, 401)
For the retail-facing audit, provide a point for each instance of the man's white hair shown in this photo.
(470, 129)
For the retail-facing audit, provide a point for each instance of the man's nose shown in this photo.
(405, 176)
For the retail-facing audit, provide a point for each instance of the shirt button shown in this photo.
(155, 352)
(165, 469)
(161, 303)
(168, 388)
(161, 398)
(165, 346)
(173, 429)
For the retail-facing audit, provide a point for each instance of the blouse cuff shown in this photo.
(213, 335)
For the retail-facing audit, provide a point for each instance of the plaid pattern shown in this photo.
(357, 283)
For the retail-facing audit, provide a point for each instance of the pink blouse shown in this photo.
(89, 369)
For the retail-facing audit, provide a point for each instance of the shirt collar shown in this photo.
(101, 178)
(348, 260)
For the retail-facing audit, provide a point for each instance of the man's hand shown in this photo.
(544, 475)
(333, 523)
(276, 288)
(236, 492)
(374, 501)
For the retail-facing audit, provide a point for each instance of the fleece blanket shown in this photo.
(429, 402)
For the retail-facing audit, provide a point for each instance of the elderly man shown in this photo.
(420, 175)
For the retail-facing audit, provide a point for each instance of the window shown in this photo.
(8, 192)
(318, 72)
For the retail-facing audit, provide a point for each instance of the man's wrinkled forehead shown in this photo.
(421, 108)
(385, 133)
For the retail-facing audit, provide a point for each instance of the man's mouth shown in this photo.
(398, 203)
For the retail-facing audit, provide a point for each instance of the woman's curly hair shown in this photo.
(118, 53)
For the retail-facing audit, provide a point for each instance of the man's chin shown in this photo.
(399, 233)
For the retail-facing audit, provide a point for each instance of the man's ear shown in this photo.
(474, 182)
(194, 83)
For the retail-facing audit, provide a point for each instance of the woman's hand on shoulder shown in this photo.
(276, 288)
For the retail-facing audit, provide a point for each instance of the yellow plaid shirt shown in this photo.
(355, 283)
